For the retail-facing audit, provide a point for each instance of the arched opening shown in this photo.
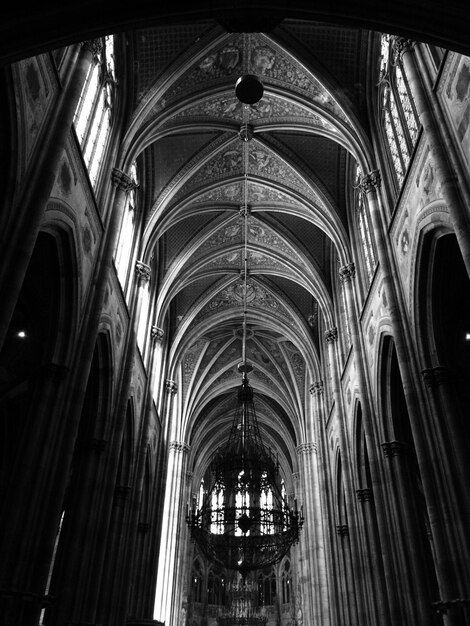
(29, 346)
(406, 492)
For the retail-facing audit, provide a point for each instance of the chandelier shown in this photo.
(244, 522)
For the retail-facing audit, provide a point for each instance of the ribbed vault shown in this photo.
(306, 134)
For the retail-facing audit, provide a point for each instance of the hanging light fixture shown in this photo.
(244, 522)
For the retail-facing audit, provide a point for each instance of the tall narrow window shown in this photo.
(93, 116)
(364, 230)
(217, 512)
(398, 112)
(266, 506)
(286, 582)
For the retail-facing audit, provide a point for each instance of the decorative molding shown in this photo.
(121, 180)
(446, 605)
(157, 333)
(316, 388)
(370, 182)
(331, 335)
(171, 386)
(347, 272)
(364, 495)
(400, 45)
(143, 271)
(179, 446)
(393, 448)
(95, 46)
(307, 448)
(342, 530)
(435, 376)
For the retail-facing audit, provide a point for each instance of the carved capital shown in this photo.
(157, 333)
(121, 180)
(436, 376)
(370, 182)
(307, 448)
(95, 46)
(143, 271)
(331, 335)
(393, 448)
(346, 273)
(342, 530)
(316, 388)
(400, 45)
(171, 386)
(179, 447)
(364, 495)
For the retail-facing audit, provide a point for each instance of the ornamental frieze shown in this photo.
(190, 359)
(270, 107)
(259, 234)
(263, 162)
(257, 296)
(257, 193)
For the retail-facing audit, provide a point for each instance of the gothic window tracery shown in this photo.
(93, 117)
(398, 113)
(367, 245)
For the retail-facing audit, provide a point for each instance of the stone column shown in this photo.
(145, 533)
(356, 583)
(409, 541)
(375, 598)
(454, 462)
(18, 246)
(172, 518)
(312, 539)
(459, 212)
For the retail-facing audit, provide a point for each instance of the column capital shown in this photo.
(143, 271)
(121, 180)
(316, 388)
(179, 446)
(157, 333)
(307, 448)
(347, 272)
(436, 376)
(171, 386)
(331, 335)
(95, 46)
(370, 182)
(364, 495)
(393, 448)
(400, 45)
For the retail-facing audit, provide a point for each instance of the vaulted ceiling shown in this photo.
(308, 131)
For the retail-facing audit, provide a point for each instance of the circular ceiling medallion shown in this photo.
(249, 89)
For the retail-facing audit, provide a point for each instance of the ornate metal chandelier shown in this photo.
(244, 522)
